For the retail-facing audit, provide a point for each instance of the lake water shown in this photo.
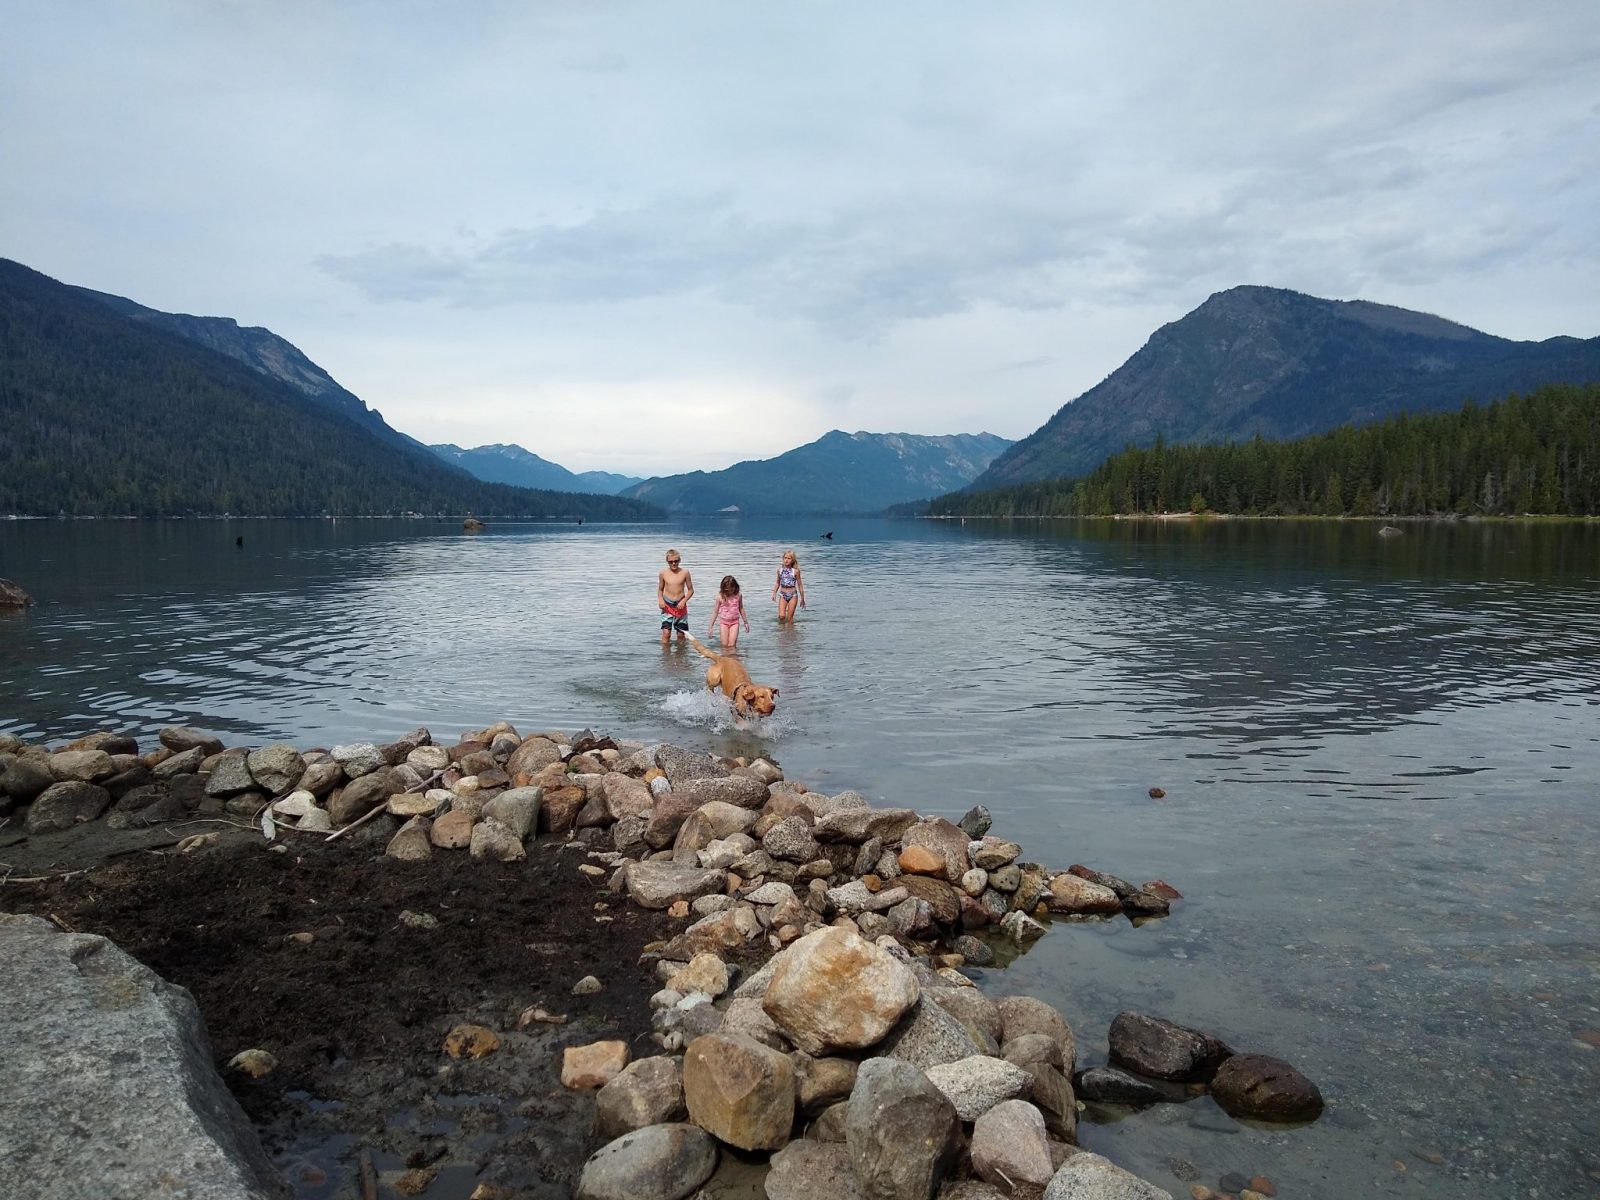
(1381, 759)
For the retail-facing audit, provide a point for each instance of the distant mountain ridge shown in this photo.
(106, 410)
(838, 473)
(502, 462)
(1282, 364)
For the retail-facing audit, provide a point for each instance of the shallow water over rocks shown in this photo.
(1380, 759)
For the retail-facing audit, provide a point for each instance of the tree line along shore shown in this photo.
(1526, 455)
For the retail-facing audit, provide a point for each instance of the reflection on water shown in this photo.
(1381, 758)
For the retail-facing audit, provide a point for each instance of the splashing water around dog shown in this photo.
(703, 709)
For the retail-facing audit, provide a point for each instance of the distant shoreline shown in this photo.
(1433, 519)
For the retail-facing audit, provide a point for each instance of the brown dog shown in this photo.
(728, 673)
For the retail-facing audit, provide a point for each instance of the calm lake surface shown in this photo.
(1381, 759)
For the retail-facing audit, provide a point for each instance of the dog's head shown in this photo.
(753, 700)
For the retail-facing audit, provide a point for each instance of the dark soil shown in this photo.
(357, 1015)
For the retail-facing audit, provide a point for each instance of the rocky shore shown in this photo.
(797, 1009)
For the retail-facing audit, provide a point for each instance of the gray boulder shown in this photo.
(790, 840)
(741, 791)
(682, 765)
(812, 1170)
(63, 805)
(359, 758)
(1265, 1089)
(517, 809)
(360, 796)
(276, 768)
(859, 824)
(186, 762)
(1089, 1177)
(903, 1135)
(978, 1083)
(25, 778)
(1164, 1050)
(111, 1091)
(1010, 1146)
(648, 1091)
(660, 884)
(82, 766)
(928, 1036)
(658, 1162)
(1107, 1085)
(230, 777)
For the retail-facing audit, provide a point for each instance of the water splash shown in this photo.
(705, 709)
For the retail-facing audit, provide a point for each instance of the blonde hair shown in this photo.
(792, 556)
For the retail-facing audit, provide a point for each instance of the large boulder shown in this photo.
(661, 884)
(517, 809)
(1021, 1015)
(185, 762)
(532, 756)
(1074, 896)
(928, 1036)
(682, 765)
(812, 1170)
(63, 805)
(790, 840)
(1087, 1176)
(738, 1090)
(939, 837)
(25, 778)
(1108, 1085)
(903, 1135)
(859, 824)
(977, 1083)
(623, 796)
(360, 796)
(230, 776)
(658, 1162)
(496, 841)
(110, 1089)
(833, 989)
(705, 825)
(82, 766)
(1010, 1146)
(649, 1091)
(179, 738)
(277, 769)
(1264, 1088)
(359, 759)
(738, 790)
(1164, 1050)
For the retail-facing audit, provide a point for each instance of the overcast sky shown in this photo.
(658, 236)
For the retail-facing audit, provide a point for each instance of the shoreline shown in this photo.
(1417, 519)
(409, 874)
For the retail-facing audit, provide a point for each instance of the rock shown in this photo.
(1164, 1050)
(532, 756)
(739, 791)
(834, 990)
(745, 1015)
(1264, 1088)
(414, 920)
(719, 932)
(921, 860)
(64, 805)
(124, 1101)
(1121, 887)
(1035, 1048)
(710, 823)
(859, 824)
(359, 759)
(976, 823)
(230, 776)
(946, 840)
(587, 986)
(471, 1041)
(276, 768)
(705, 906)
(491, 839)
(297, 805)
(976, 1084)
(659, 884)
(1160, 887)
(903, 1135)
(1107, 1085)
(682, 765)
(25, 778)
(412, 843)
(1072, 895)
(257, 1064)
(829, 1125)
(1006, 879)
(941, 897)
(12, 595)
(975, 882)
(517, 809)
(1025, 1014)
(658, 1162)
(411, 804)
(976, 1012)
(971, 1189)
(790, 840)
(812, 1170)
(1089, 1177)
(929, 1036)
(975, 951)
(856, 897)
(771, 893)
(321, 778)
(1052, 1095)
(1020, 927)
(705, 973)
(648, 1091)
(453, 831)
(666, 819)
(558, 811)
(178, 738)
(360, 796)
(1010, 1146)
(623, 796)
(822, 1082)
(594, 1065)
(1146, 904)
(429, 760)
(740, 1091)
(81, 766)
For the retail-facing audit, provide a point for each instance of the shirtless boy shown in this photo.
(674, 590)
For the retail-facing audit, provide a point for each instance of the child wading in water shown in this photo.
(789, 589)
(674, 590)
(729, 613)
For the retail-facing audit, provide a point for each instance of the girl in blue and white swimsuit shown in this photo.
(789, 589)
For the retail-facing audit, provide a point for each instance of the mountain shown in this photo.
(838, 473)
(1256, 360)
(503, 463)
(106, 412)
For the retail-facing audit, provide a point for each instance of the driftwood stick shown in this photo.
(369, 1177)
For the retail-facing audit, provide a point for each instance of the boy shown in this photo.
(674, 590)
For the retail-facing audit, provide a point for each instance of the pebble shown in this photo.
(1233, 1182)
(592, 871)
(471, 1041)
(254, 1063)
(418, 920)
(1260, 1183)
(587, 986)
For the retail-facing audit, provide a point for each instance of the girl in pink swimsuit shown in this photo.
(729, 613)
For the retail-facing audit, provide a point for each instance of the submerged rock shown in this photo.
(1264, 1088)
(1164, 1050)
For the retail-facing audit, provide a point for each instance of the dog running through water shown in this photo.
(728, 674)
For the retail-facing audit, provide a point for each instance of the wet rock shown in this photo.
(12, 595)
(976, 822)
(1020, 927)
(1146, 904)
(740, 1091)
(975, 951)
(493, 840)
(412, 842)
(658, 1162)
(178, 738)
(1026, 1014)
(1074, 896)
(1010, 1146)
(360, 796)
(648, 1091)
(812, 1170)
(1089, 1177)
(859, 824)
(832, 989)
(978, 1083)
(944, 839)
(902, 1134)
(659, 884)
(517, 809)
(929, 1036)
(594, 1065)
(276, 768)
(87, 1117)
(1108, 1085)
(1264, 1088)
(1121, 887)
(1160, 887)
(63, 805)
(471, 1041)
(1163, 1050)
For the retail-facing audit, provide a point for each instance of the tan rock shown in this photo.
(412, 843)
(453, 831)
(594, 1065)
(1070, 894)
(678, 909)
(414, 804)
(560, 806)
(705, 973)
(471, 1041)
(922, 860)
(739, 1091)
(833, 989)
(624, 796)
